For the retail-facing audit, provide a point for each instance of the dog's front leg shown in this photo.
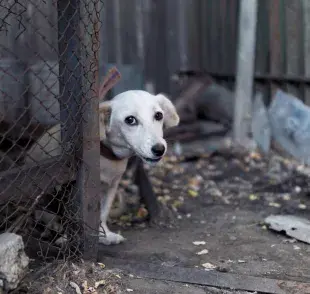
(107, 237)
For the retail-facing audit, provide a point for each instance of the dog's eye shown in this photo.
(131, 120)
(158, 116)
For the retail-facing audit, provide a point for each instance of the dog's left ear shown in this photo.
(105, 110)
(171, 118)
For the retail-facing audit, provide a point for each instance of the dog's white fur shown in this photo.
(123, 139)
(127, 140)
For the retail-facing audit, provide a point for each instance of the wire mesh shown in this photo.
(48, 77)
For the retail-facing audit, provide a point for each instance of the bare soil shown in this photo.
(220, 199)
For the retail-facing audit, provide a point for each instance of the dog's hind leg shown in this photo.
(107, 237)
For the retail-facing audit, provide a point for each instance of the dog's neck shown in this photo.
(108, 153)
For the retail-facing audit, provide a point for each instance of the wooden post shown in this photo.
(78, 68)
(245, 70)
(275, 39)
(306, 51)
(293, 35)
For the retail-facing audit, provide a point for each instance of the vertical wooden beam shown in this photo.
(306, 45)
(78, 67)
(274, 42)
(293, 34)
(89, 171)
(245, 70)
(117, 31)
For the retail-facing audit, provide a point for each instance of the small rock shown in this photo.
(13, 260)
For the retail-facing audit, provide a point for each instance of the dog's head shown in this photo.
(133, 122)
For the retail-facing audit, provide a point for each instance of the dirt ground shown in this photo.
(220, 201)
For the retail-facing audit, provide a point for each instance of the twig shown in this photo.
(16, 226)
(76, 287)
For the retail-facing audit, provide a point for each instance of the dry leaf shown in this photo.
(99, 283)
(197, 243)
(253, 197)
(255, 155)
(302, 206)
(202, 252)
(209, 266)
(142, 212)
(192, 193)
(274, 204)
(76, 287)
(176, 203)
(102, 265)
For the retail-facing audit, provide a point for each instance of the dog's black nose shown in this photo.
(158, 149)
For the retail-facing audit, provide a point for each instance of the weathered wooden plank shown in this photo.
(293, 35)
(207, 278)
(245, 70)
(306, 45)
(22, 184)
(42, 31)
(89, 169)
(274, 42)
(13, 54)
(78, 69)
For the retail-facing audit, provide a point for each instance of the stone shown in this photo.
(13, 260)
(294, 226)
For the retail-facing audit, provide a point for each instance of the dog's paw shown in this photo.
(111, 238)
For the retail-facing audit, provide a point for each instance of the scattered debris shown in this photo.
(84, 278)
(102, 265)
(253, 197)
(274, 204)
(302, 206)
(293, 226)
(75, 287)
(202, 252)
(13, 260)
(100, 283)
(198, 243)
(209, 266)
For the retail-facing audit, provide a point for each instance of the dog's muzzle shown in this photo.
(152, 160)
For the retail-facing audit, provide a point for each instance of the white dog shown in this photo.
(130, 124)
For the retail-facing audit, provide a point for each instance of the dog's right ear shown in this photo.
(105, 110)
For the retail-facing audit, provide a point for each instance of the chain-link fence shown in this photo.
(49, 133)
